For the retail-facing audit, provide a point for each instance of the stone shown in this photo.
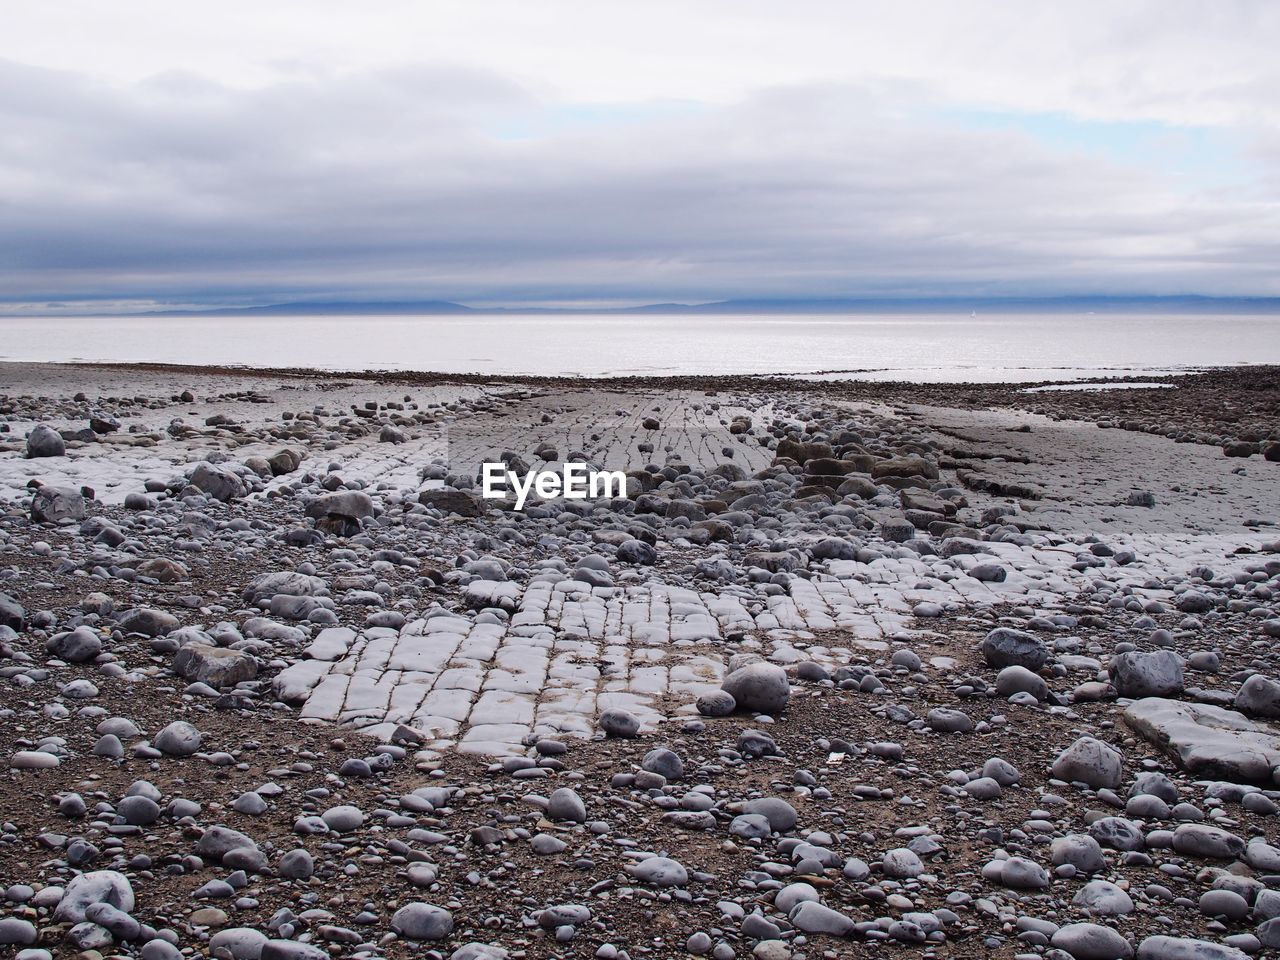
(44, 441)
(1080, 851)
(268, 585)
(1103, 898)
(99, 886)
(219, 841)
(1207, 741)
(664, 762)
(343, 819)
(1091, 941)
(351, 504)
(147, 621)
(75, 646)
(1090, 762)
(812, 917)
(16, 932)
(1017, 679)
(901, 864)
(565, 804)
(761, 687)
(138, 810)
(659, 872)
(11, 613)
(422, 921)
(1156, 674)
(781, 815)
(1005, 647)
(297, 864)
(945, 720)
(1180, 948)
(447, 500)
(716, 703)
(1201, 840)
(1259, 696)
(57, 504)
(619, 723)
(178, 739)
(242, 943)
(216, 666)
(1023, 874)
(217, 482)
(33, 760)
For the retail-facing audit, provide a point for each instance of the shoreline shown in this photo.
(853, 638)
(1199, 411)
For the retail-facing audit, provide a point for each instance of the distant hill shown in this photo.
(878, 305)
(333, 308)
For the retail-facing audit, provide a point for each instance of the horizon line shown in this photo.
(764, 305)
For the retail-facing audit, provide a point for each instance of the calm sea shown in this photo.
(995, 348)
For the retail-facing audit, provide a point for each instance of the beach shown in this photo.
(945, 654)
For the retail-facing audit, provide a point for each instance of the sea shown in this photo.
(927, 348)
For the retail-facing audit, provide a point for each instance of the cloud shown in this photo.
(268, 171)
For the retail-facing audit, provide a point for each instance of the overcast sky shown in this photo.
(590, 151)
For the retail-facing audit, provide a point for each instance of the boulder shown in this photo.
(1090, 762)
(217, 482)
(762, 687)
(1156, 674)
(98, 886)
(1259, 696)
(216, 666)
(1005, 647)
(56, 504)
(448, 500)
(1208, 741)
(74, 646)
(45, 441)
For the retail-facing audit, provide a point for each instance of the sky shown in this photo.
(595, 152)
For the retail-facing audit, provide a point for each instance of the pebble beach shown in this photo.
(852, 669)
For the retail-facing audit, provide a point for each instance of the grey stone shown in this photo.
(216, 666)
(1005, 647)
(1103, 898)
(217, 482)
(781, 815)
(762, 687)
(297, 864)
(44, 441)
(99, 886)
(218, 841)
(1259, 696)
(1207, 741)
(1090, 762)
(178, 739)
(75, 646)
(55, 504)
(1080, 851)
(1179, 948)
(15, 931)
(422, 921)
(619, 723)
(664, 762)
(1155, 674)
(343, 818)
(813, 917)
(1201, 840)
(716, 703)
(659, 872)
(1091, 941)
(565, 804)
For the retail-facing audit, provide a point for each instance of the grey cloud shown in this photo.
(408, 183)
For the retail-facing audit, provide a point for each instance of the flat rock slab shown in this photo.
(1209, 741)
